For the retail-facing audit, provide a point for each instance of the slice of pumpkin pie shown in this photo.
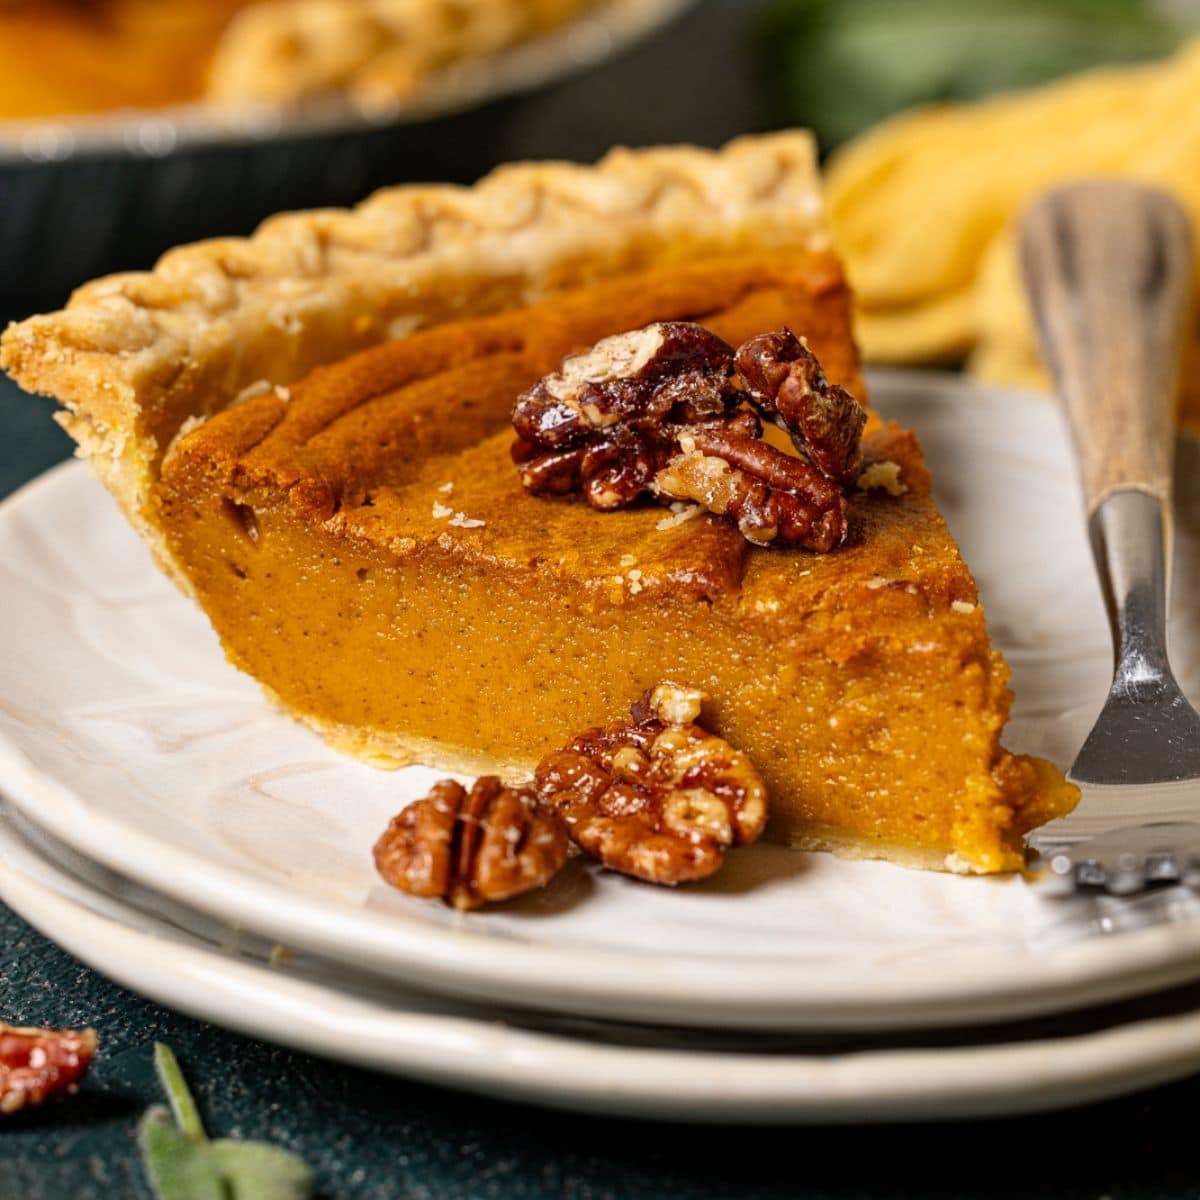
(312, 429)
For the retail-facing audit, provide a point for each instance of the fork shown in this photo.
(1108, 267)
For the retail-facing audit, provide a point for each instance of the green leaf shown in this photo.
(177, 1167)
(182, 1164)
(179, 1096)
(842, 65)
(257, 1171)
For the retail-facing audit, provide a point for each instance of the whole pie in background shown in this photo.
(60, 57)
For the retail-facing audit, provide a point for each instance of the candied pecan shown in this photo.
(773, 496)
(656, 411)
(657, 797)
(605, 423)
(611, 473)
(469, 848)
(36, 1064)
(787, 385)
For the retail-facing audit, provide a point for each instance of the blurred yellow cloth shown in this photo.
(923, 206)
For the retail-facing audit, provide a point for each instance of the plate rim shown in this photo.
(560, 1071)
(595, 981)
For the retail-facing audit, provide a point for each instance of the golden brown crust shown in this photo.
(378, 51)
(134, 357)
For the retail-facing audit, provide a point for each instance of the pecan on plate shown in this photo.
(36, 1064)
(605, 422)
(788, 387)
(773, 496)
(471, 847)
(657, 797)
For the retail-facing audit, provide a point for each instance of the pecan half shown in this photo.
(604, 424)
(658, 797)
(469, 848)
(787, 385)
(36, 1064)
(773, 496)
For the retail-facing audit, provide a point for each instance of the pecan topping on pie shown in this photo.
(658, 411)
(470, 848)
(657, 797)
(771, 495)
(787, 385)
(606, 422)
(36, 1064)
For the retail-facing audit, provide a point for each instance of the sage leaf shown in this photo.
(182, 1164)
(258, 1171)
(179, 1096)
(177, 1167)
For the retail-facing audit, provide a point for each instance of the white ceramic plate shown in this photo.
(124, 732)
(183, 960)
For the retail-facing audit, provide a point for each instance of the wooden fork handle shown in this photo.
(1109, 269)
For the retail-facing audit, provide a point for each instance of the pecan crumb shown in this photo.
(670, 703)
(472, 847)
(680, 512)
(657, 797)
(884, 476)
(37, 1064)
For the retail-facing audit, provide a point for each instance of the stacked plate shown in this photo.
(167, 827)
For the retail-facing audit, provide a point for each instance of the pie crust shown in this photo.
(377, 51)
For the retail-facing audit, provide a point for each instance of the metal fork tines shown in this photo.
(1108, 267)
(1138, 821)
(1121, 861)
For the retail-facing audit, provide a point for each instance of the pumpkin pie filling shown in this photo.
(363, 546)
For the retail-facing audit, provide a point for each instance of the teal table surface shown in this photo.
(372, 1137)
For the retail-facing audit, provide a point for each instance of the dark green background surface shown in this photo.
(372, 1137)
